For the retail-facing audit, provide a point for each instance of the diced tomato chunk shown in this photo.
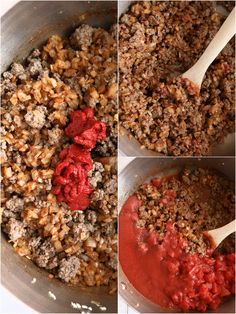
(156, 182)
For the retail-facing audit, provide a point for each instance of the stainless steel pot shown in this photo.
(138, 171)
(131, 147)
(26, 26)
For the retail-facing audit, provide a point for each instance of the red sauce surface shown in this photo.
(70, 180)
(167, 275)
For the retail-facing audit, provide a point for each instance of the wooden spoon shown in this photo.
(216, 236)
(223, 36)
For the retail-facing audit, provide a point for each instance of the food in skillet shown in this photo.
(158, 41)
(162, 249)
(58, 142)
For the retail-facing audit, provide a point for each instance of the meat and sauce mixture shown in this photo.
(58, 148)
(162, 249)
(159, 41)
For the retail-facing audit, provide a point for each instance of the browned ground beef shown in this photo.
(177, 121)
(159, 40)
(65, 75)
(203, 200)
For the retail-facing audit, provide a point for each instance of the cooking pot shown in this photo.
(26, 26)
(142, 169)
(129, 146)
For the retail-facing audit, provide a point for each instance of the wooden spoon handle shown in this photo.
(223, 36)
(218, 235)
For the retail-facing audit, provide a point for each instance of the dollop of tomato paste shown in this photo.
(84, 129)
(70, 179)
(164, 273)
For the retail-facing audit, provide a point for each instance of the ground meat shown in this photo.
(82, 36)
(179, 129)
(161, 40)
(97, 195)
(54, 136)
(53, 263)
(35, 67)
(109, 229)
(34, 54)
(34, 243)
(44, 253)
(15, 204)
(7, 85)
(18, 71)
(95, 175)
(68, 268)
(15, 229)
(113, 263)
(94, 180)
(81, 231)
(7, 75)
(36, 118)
(91, 216)
(111, 186)
(195, 200)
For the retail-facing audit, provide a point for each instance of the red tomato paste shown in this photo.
(84, 129)
(70, 180)
(167, 275)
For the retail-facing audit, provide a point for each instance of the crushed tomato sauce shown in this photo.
(167, 275)
(70, 179)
